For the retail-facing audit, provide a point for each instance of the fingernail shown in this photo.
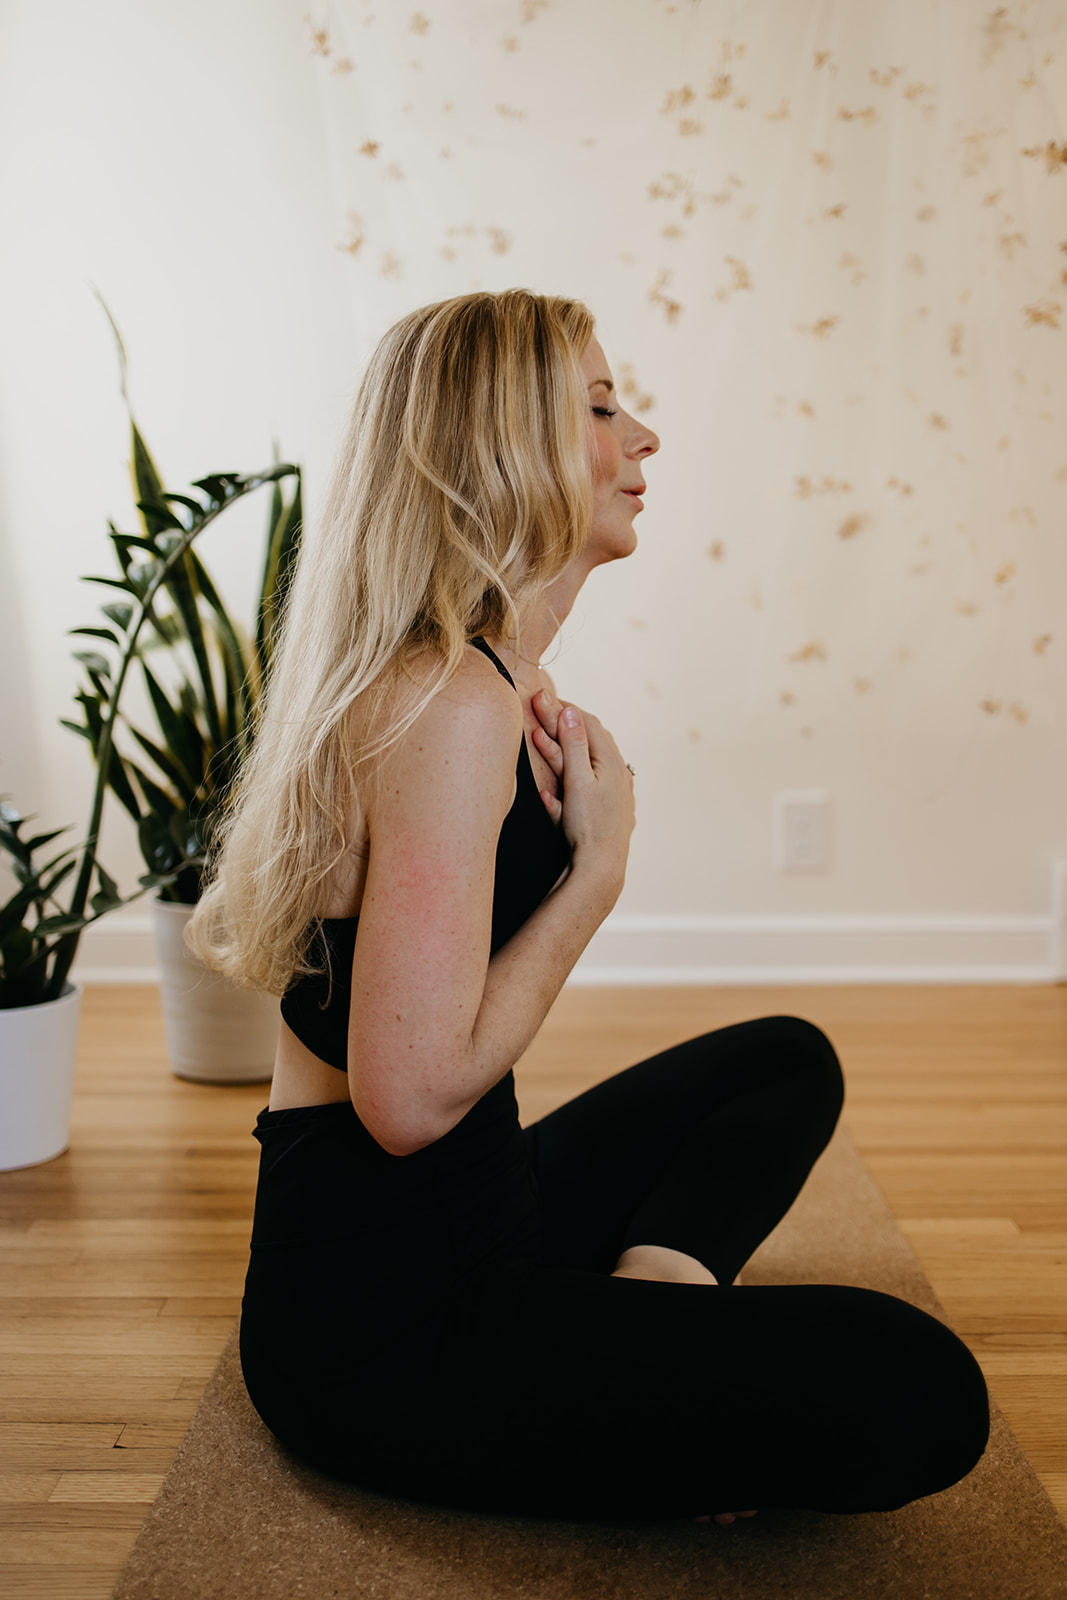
(570, 716)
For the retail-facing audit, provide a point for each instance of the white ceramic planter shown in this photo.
(216, 1033)
(37, 1048)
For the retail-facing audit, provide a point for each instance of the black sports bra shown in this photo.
(531, 854)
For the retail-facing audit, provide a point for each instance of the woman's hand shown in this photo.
(597, 809)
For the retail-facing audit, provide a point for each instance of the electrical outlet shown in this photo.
(802, 830)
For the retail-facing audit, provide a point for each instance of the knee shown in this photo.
(810, 1052)
(955, 1408)
(935, 1405)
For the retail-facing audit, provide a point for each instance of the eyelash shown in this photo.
(603, 411)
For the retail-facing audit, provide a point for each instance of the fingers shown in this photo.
(603, 751)
(549, 749)
(553, 806)
(571, 731)
(556, 718)
(547, 709)
(562, 748)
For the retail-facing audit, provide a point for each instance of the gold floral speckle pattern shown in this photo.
(832, 265)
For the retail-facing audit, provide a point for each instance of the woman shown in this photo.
(439, 1304)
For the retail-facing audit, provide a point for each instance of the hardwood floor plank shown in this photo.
(57, 1435)
(71, 1405)
(66, 1547)
(1056, 1488)
(47, 1582)
(81, 1488)
(87, 1514)
(36, 1459)
(27, 1488)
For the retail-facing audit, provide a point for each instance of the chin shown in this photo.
(615, 546)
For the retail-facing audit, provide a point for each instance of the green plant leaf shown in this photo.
(159, 802)
(13, 914)
(181, 586)
(188, 836)
(39, 840)
(62, 922)
(93, 731)
(119, 612)
(16, 949)
(283, 542)
(96, 633)
(195, 506)
(141, 575)
(237, 711)
(147, 484)
(219, 485)
(180, 731)
(119, 784)
(50, 882)
(160, 853)
(167, 632)
(93, 663)
(126, 542)
(166, 763)
(94, 719)
(156, 880)
(159, 516)
(108, 886)
(112, 583)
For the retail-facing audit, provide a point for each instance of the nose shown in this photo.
(642, 441)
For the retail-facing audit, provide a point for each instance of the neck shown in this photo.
(547, 617)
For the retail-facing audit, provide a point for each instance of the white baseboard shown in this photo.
(120, 948)
(1058, 953)
(645, 948)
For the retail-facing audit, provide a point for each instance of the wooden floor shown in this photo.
(121, 1262)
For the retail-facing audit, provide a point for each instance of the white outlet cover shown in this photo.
(801, 833)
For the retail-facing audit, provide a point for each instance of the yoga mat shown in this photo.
(237, 1517)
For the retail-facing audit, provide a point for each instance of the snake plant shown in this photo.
(163, 583)
(204, 677)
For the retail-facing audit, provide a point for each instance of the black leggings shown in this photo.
(629, 1398)
(559, 1390)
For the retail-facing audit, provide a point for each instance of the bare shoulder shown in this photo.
(476, 700)
(468, 731)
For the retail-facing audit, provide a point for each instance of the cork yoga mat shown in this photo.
(238, 1517)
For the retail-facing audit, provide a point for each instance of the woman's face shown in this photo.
(620, 444)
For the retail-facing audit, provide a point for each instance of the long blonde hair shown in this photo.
(463, 489)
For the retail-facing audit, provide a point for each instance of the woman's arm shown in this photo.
(434, 1022)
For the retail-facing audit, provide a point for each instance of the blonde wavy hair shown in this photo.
(464, 487)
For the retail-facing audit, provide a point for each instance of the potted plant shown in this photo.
(204, 680)
(39, 1006)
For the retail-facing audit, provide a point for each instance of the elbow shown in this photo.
(399, 1144)
(401, 1129)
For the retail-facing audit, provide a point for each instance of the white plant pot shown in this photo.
(216, 1033)
(37, 1048)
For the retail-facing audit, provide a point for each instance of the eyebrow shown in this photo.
(604, 383)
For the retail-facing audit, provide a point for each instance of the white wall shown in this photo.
(172, 159)
(764, 170)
